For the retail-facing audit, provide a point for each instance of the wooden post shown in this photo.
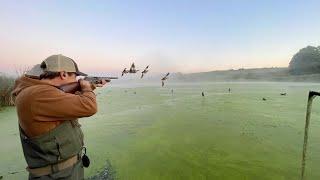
(311, 96)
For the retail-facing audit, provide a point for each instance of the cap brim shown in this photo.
(81, 74)
(35, 71)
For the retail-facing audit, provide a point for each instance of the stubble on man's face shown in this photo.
(71, 78)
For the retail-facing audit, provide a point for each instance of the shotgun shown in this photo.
(75, 86)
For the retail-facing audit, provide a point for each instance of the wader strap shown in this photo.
(23, 134)
(43, 171)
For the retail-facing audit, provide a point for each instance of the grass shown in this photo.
(6, 86)
(156, 135)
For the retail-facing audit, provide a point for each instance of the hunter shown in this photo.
(51, 137)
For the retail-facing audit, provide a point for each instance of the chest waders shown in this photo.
(53, 147)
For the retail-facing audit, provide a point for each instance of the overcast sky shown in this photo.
(176, 36)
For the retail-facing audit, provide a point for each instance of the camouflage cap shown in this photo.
(55, 63)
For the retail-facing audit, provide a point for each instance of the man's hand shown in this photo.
(103, 82)
(86, 85)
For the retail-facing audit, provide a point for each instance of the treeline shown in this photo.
(254, 75)
(303, 67)
(6, 87)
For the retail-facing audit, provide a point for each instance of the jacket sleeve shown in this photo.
(52, 104)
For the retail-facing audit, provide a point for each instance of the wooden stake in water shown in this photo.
(311, 96)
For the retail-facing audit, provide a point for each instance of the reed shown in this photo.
(6, 87)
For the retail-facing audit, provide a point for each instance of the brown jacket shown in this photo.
(41, 107)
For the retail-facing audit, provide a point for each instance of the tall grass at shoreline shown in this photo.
(6, 87)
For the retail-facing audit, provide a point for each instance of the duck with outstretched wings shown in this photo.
(133, 69)
(164, 78)
(125, 71)
(144, 71)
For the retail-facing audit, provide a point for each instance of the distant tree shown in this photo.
(306, 61)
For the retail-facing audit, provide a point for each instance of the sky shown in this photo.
(170, 36)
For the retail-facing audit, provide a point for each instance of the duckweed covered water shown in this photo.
(157, 134)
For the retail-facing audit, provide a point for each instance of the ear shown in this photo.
(63, 75)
